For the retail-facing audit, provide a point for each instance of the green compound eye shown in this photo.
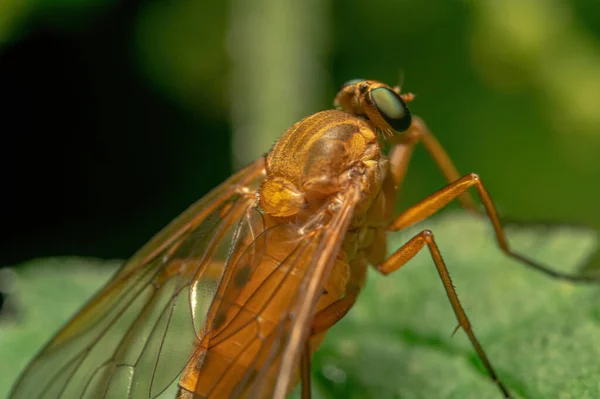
(391, 108)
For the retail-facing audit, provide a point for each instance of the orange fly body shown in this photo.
(231, 299)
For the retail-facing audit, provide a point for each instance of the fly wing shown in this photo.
(133, 339)
(264, 306)
(294, 328)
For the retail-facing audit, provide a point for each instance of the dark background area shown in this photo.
(94, 160)
(105, 140)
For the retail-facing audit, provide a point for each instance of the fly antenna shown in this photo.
(398, 87)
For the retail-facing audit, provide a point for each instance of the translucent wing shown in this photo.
(134, 338)
(290, 341)
(266, 300)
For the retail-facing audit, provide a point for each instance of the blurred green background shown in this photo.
(116, 115)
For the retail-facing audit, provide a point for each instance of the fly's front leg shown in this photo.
(441, 198)
(401, 153)
(407, 252)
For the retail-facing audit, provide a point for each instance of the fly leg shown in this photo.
(407, 252)
(402, 151)
(441, 198)
(333, 313)
(327, 317)
(305, 371)
(322, 322)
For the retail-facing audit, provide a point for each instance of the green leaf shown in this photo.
(541, 334)
(48, 292)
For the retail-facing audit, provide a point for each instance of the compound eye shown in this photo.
(391, 108)
(351, 82)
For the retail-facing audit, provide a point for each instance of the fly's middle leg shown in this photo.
(407, 252)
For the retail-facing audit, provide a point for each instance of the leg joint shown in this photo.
(474, 176)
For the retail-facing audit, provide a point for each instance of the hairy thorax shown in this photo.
(309, 169)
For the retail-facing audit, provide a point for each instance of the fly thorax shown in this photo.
(310, 163)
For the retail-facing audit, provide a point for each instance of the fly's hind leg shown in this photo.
(327, 317)
(305, 371)
(407, 252)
